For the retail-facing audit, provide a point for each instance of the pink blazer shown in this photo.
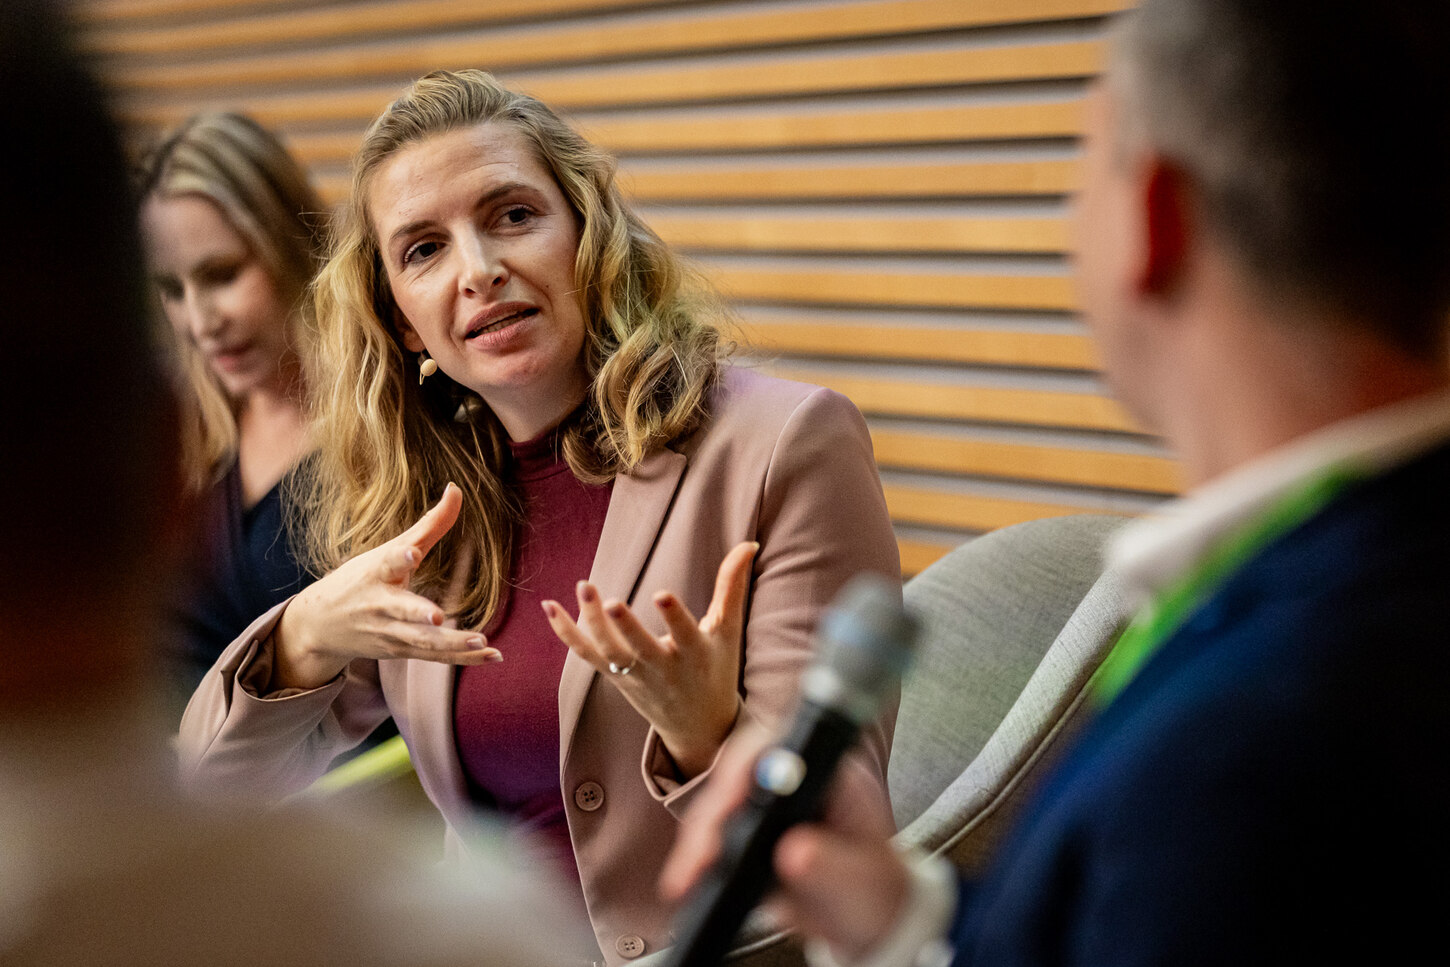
(782, 463)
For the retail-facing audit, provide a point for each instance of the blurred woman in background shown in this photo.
(233, 233)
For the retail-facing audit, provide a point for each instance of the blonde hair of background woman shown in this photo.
(231, 160)
(388, 445)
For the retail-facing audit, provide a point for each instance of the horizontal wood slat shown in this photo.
(829, 337)
(768, 182)
(813, 128)
(987, 404)
(111, 12)
(990, 458)
(919, 505)
(918, 555)
(332, 188)
(817, 128)
(879, 288)
(869, 71)
(729, 232)
(357, 107)
(325, 149)
(324, 23)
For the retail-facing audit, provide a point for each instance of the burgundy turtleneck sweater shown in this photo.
(506, 714)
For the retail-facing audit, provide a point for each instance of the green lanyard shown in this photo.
(1170, 607)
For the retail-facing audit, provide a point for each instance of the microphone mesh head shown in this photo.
(865, 641)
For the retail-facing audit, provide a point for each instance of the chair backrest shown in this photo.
(1014, 624)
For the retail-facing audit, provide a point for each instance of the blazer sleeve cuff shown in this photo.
(231, 713)
(288, 709)
(247, 663)
(662, 777)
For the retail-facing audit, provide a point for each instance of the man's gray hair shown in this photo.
(1317, 135)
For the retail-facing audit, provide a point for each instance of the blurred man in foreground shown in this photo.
(1263, 254)
(101, 863)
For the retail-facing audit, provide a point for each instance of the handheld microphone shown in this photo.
(865, 640)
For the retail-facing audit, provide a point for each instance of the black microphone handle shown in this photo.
(739, 878)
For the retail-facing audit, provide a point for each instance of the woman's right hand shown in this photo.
(364, 609)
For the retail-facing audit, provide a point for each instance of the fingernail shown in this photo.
(615, 609)
(411, 556)
(664, 600)
(550, 608)
(587, 592)
(436, 617)
(494, 656)
(754, 547)
(477, 641)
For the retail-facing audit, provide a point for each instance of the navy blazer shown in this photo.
(1273, 784)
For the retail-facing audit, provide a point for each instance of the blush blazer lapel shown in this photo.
(429, 705)
(638, 506)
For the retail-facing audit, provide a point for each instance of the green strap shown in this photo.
(383, 762)
(1171, 606)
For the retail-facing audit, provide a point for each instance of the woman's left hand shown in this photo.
(685, 682)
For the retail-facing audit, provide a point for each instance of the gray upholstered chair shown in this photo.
(1014, 624)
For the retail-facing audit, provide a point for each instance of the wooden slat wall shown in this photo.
(879, 185)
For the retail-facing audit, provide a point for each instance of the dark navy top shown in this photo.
(240, 565)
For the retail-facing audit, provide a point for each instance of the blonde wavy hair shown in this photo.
(245, 171)
(388, 445)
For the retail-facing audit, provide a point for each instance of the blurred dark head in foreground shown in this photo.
(86, 421)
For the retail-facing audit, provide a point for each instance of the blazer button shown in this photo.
(589, 796)
(629, 946)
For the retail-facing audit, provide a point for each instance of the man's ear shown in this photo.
(406, 333)
(1165, 196)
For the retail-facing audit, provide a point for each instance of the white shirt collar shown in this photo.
(1155, 550)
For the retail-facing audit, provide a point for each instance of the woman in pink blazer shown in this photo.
(634, 539)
